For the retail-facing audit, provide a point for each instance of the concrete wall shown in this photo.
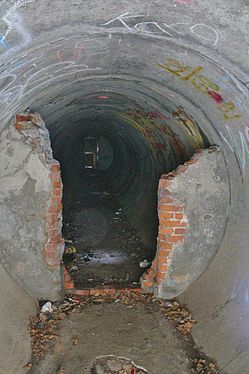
(193, 210)
(15, 309)
(201, 189)
(164, 54)
(26, 191)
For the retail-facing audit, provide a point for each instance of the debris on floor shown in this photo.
(202, 366)
(144, 264)
(44, 327)
(102, 245)
(69, 253)
(115, 365)
(47, 308)
(179, 315)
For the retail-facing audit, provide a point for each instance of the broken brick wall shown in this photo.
(193, 208)
(30, 208)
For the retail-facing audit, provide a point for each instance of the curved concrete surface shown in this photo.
(119, 63)
(15, 309)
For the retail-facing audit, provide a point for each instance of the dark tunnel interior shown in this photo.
(112, 155)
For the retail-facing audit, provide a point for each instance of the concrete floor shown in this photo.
(140, 333)
(109, 250)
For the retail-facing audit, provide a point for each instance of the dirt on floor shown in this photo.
(115, 334)
(108, 250)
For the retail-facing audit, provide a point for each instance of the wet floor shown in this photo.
(109, 251)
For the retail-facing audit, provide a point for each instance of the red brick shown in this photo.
(163, 252)
(82, 292)
(162, 260)
(174, 239)
(53, 230)
(57, 184)
(23, 118)
(180, 231)
(51, 248)
(153, 267)
(166, 215)
(169, 208)
(18, 126)
(181, 169)
(67, 276)
(55, 239)
(163, 183)
(165, 246)
(168, 223)
(162, 268)
(178, 215)
(55, 167)
(52, 219)
(57, 192)
(56, 176)
(165, 230)
(165, 200)
(160, 277)
(149, 276)
(148, 284)
(163, 192)
(69, 285)
(192, 161)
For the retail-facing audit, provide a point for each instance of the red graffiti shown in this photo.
(216, 96)
(160, 145)
(155, 115)
(184, 1)
(103, 97)
(62, 55)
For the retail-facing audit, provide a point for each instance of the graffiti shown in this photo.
(216, 96)
(4, 46)
(36, 78)
(189, 127)
(203, 84)
(82, 48)
(14, 21)
(240, 147)
(198, 31)
(157, 134)
(239, 144)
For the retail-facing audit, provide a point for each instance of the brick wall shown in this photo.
(173, 226)
(35, 132)
(193, 206)
(55, 243)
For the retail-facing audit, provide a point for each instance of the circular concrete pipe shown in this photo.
(177, 69)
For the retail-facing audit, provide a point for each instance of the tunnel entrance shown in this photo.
(108, 167)
(111, 160)
(102, 248)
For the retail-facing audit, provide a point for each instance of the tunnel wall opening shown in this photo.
(146, 143)
(50, 62)
(193, 210)
(31, 210)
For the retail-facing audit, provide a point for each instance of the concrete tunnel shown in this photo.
(138, 107)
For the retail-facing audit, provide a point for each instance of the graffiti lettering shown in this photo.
(198, 31)
(202, 84)
(239, 147)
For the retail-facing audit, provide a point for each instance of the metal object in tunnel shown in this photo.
(91, 152)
